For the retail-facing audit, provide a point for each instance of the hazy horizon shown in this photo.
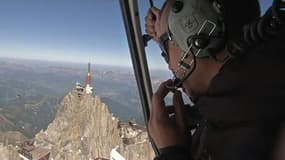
(73, 31)
(82, 64)
(32, 90)
(68, 30)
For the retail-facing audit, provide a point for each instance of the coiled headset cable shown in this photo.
(265, 28)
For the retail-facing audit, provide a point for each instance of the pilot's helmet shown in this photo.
(196, 25)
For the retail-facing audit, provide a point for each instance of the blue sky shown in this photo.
(70, 30)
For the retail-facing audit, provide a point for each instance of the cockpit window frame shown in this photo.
(130, 13)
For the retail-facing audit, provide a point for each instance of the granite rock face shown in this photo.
(85, 129)
(8, 152)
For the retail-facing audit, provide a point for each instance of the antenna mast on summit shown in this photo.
(88, 88)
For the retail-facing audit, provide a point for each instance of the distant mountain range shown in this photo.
(31, 91)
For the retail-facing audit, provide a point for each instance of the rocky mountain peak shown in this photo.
(84, 128)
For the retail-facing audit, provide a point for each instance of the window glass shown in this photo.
(158, 68)
(48, 96)
(264, 5)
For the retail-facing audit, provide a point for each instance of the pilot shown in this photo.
(239, 91)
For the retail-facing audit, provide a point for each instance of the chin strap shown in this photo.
(187, 69)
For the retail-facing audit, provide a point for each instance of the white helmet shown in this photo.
(197, 26)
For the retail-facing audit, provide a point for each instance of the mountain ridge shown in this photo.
(84, 128)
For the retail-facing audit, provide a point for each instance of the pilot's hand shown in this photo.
(152, 23)
(164, 131)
